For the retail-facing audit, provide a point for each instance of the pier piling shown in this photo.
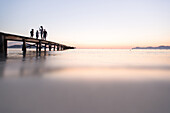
(54, 47)
(3, 45)
(36, 47)
(49, 46)
(24, 46)
(40, 46)
(58, 47)
(45, 47)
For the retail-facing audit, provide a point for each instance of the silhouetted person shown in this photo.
(37, 34)
(41, 31)
(32, 33)
(45, 34)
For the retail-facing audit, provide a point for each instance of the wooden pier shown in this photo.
(39, 43)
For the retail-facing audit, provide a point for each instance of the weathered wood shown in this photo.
(61, 47)
(64, 47)
(54, 47)
(4, 37)
(58, 47)
(3, 45)
(37, 47)
(45, 47)
(49, 46)
(40, 45)
(24, 46)
(27, 39)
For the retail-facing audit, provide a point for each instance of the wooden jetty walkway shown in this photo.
(4, 37)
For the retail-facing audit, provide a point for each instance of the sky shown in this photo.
(91, 23)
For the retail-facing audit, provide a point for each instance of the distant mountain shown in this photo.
(159, 47)
(20, 46)
(15, 46)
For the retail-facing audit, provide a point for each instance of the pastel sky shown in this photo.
(91, 23)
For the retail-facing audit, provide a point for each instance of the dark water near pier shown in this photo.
(86, 81)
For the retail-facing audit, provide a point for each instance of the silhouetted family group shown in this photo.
(42, 32)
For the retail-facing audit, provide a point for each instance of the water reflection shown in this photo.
(88, 64)
(85, 81)
(30, 64)
(2, 66)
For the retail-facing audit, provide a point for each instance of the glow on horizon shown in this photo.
(91, 24)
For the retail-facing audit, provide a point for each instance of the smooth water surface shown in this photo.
(86, 81)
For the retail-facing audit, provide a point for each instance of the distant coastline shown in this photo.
(150, 47)
(20, 46)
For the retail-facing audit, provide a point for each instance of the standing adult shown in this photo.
(37, 34)
(41, 31)
(32, 33)
(45, 34)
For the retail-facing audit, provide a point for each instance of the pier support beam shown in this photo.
(36, 47)
(40, 46)
(54, 47)
(45, 47)
(61, 48)
(24, 46)
(49, 46)
(3, 45)
(58, 47)
(64, 47)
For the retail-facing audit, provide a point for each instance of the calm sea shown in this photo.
(85, 81)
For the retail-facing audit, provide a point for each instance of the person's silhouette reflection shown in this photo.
(2, 65)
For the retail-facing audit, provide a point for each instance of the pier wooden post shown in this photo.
(49, 46)
(3, 45)
(37, 47)
(61, 47)
(64, 47)
(54, 47)
(58, 47)
(24, 46)
(45, 47)
(40, 46)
